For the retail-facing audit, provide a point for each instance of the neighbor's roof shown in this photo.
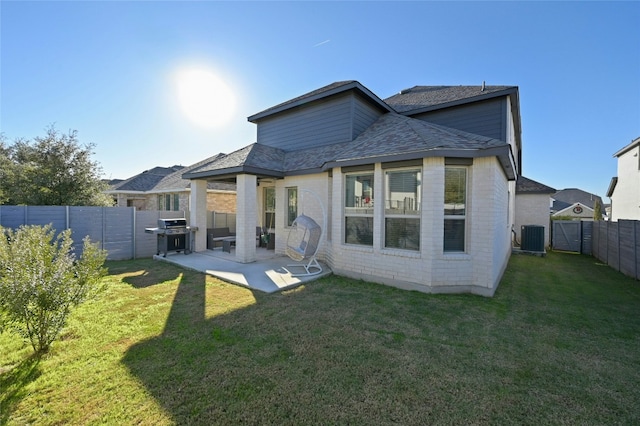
(144, 181)
(575, 195)
(424, 98)
(393, 137)
(529, 186)
(175, 181)
(632, 145)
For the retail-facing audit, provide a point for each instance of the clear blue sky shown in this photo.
(107, 70)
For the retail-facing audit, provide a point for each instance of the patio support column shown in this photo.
(198, 213)
(246, 217)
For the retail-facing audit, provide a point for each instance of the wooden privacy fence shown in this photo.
(118, 230)
(618, 245)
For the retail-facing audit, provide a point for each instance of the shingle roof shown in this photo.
(146, 180)
(575, 195)
(323, 92)
(390, 136)
(395, 134)
(425, 97)
(529, 186)
(175, 182)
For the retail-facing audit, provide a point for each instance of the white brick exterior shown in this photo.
(488, 236)
(625, 200)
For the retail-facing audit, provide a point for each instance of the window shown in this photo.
(402, 209)
(169, 202)
(269, 207)
(455, 208)
(292, 205)
(358, 209)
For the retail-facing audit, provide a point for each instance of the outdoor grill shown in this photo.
(173, 235)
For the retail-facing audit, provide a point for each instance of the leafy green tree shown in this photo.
(41, 281)
(52, 170)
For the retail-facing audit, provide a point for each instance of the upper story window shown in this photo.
(358, 208)
(402, 209)
(455, 208)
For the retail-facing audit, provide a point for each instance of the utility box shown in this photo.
(532, 238)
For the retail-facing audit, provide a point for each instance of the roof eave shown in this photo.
(628, 148)
(503, 153)
(234, 171)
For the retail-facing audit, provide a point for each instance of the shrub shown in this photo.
(41, 281)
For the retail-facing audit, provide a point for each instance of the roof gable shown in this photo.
(570, 210)
(319, 94)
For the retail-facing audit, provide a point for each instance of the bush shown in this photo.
(41, 281)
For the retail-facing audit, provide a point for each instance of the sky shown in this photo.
(115, 72)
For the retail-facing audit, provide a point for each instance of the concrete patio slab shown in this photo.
(267, 274)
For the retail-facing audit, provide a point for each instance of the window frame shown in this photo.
(268, 210)
(289, 210)
(456, 217)
(397, 215)
(363, 205)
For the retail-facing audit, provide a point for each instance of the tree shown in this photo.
(52, 170)
(597, 210)
(41, 281)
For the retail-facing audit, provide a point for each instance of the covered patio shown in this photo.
(266, 274)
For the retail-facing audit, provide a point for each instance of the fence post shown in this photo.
(134, 241)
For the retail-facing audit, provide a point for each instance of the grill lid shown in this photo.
(172, 223)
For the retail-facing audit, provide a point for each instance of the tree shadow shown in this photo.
(13, 383)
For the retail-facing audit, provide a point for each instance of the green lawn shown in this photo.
(558, 344)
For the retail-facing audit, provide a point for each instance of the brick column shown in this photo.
(198, 213)
(246, 218)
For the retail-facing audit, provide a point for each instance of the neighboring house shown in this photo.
(419, 188)
(574, 211)
(575, 203)
(163, 188)
(532, 206)
(624, 190)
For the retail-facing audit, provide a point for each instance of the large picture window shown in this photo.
(402, 209)
(455, 208)
(358, 209)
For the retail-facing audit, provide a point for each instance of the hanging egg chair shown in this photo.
(303, 243)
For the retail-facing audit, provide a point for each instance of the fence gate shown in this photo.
(567, 235)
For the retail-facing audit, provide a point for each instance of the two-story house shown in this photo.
(624, 189)
(418, 189)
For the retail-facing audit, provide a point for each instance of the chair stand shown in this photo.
(313, 264)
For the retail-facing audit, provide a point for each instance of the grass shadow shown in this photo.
(544, 350)
(14, 382)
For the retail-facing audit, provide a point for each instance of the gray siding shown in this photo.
(488, 118)
(364, 114)
(339, 119)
